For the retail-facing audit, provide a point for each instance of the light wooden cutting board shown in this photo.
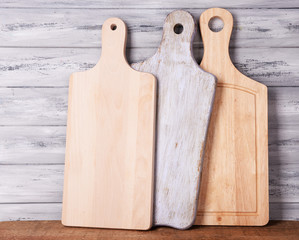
(185, 97)
(234, 187)
(110, 141)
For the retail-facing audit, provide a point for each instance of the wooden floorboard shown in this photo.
(46, 230)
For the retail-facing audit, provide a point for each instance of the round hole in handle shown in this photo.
(178, 28)
(216, 24)
(113, 27)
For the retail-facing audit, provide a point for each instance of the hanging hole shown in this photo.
(216, 24)
(113, 27)
(178, 28)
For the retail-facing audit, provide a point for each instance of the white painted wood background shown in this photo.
(43, 42)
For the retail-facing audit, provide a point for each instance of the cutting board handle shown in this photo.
(178, 32)
(114, 38)
(216, 44)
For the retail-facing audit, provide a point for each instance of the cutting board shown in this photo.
(110, 141)
(234, 187)
(185, 97)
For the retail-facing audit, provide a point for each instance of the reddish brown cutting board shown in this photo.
(234, 187)
(110, 141)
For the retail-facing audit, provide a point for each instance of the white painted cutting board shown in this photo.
(110, 141)
(185, 97)
(234, 188)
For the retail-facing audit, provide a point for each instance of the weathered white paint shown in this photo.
(283, 144)
(23, 106)
(32, 145)
(184, 105)
(46, 144)
(31, 183)
(43, 183)
(82, 27)
(30, 211)
(52, 211)
(148, 4)
(283, 102)
(284, 183)
(51, 67)
(26, 106)
(284, 211)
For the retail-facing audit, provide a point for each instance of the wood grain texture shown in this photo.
(283, 144)
(33, 184)
(234, 187)
(38, 145)
(109, 163)
(173, 4)
(29, 187)
(284, 175)
(51, 67)
(30, 211)
(26, 106)
(52, 211)
(82, 27)
(53, 230)
(184, 107)
(43, 145)
(280, 210)
(22, 106)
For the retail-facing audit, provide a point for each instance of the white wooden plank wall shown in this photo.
(43, 42)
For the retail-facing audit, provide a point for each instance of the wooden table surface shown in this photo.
(46, 230)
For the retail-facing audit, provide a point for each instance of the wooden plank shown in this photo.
(44, 183)
(46, 145)
(270, 66)
(284, 211)
(82, 27)
(284, 183)
(173, 4)
(52, 66)
(283, 144)
(30, 211)
(52, 211)
(26, 106)
(32, 145)
(283, 107)
(31, 183)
